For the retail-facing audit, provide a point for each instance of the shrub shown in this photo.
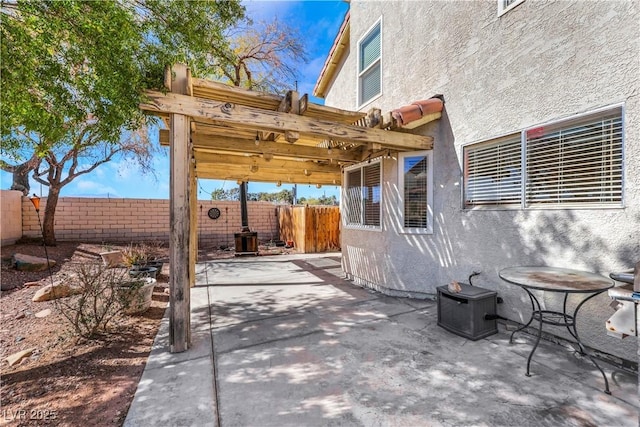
(141, 253)
(100, 299)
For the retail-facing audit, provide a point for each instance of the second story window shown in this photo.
(369, 65)
(506, 5)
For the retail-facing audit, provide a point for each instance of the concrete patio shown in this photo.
(284, 340)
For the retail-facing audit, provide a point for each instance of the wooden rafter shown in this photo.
(233, 129)
(238, 116)
(264, 163)
(242, 173)
(214, 144)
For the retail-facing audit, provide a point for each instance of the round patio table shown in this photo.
(560, 280)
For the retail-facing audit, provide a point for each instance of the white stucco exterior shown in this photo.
(540, 62)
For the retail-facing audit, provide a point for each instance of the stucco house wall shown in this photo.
(539, 62)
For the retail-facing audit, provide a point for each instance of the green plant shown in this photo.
(100, 300)
(137, 254)
(141, 253)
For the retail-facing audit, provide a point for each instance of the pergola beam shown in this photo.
(243, 173)
(276, 149)
(279, 164)
(238, 116)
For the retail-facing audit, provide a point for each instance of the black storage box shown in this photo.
(469, 313)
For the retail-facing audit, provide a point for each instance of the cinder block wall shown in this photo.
(219, 232)
(127, 220)
(10, 216)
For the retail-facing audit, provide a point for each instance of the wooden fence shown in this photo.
(312, 228)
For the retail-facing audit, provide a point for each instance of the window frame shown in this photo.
(490, 143)
(345, 217)
(502, 9)
(564, 124)
(401, 186)
(377, 63)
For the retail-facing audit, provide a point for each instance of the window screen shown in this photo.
(353, 197)
(371, 194)
(571, 162)
(369, 72)
(416, 191)
(493, 172)
(363, 195)
(576, 163)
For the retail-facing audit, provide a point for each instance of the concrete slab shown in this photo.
(177, 389)
(294, 344)
(380, 373)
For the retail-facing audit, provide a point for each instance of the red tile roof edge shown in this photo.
(416, 110)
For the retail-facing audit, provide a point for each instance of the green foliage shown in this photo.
(282, 196)
(65, 62)
(73, 74)
(322, 200)
(141, 253)
(222, 194)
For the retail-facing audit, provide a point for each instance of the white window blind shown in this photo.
(578, 162)
(363, 195)
(493, 172)
(574, 162)
(369, 72)
(353, 197)
(416, 183)
(371, 194)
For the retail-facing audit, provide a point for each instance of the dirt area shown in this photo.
(68, 381)
(71, 381)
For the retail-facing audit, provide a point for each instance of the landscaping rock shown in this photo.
(55, 291)
(17, 357)
(30, 284)
(31, 263)
(43, 313)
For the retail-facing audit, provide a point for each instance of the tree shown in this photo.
(263, 57)
(222, 194)
(322, 200)
(74, 72)
(282, 196)
(21, 172)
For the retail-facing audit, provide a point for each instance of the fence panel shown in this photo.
(312, 228)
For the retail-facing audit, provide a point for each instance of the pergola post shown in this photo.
(193, 223)
(180, 222)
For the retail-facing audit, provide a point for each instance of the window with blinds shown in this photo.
(416, 184)
(369, 69)
(493, 172)
(362, 195)
(576, 162)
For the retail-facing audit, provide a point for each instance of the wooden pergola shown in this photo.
(216, 131)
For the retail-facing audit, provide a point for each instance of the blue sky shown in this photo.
(318, 23)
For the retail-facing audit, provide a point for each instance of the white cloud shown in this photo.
(86, 187)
